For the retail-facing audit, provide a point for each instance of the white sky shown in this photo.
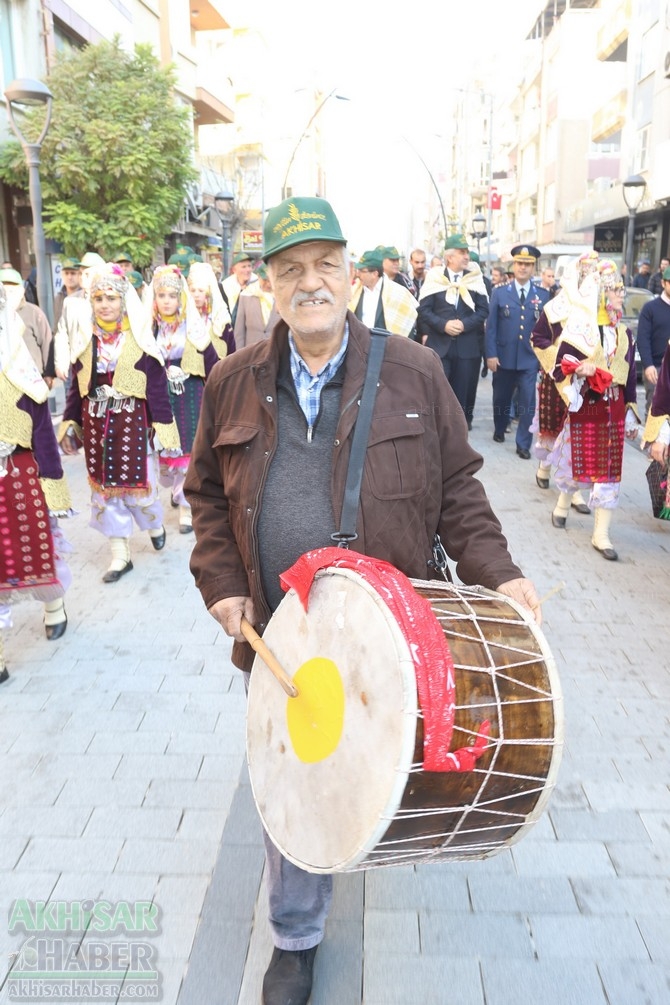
(396, 63)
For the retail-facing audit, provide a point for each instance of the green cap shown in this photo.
(70, 263)
(371, 260)
(122, 256)
(391, 252)
(242, 256)
(261, 271)
(456, 241)
(474, 257)
(182, 259)
(136, 279)
(666, 273)
(11, 276)
(296, 221)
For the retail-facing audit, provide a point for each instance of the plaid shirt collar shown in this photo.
(308, 386)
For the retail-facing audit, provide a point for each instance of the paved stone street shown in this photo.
(123, 753)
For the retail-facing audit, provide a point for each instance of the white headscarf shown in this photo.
(15, 360)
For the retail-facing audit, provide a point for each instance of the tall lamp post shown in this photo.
(634, 188)
(33, 92)
(317, 110)
(224, 204)
(479, 229)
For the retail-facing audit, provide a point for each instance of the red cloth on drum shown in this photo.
(597, 433)
(421, 630)
(551, 407)
(116, 449)
(26, 544)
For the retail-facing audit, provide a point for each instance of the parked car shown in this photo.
(633, 302)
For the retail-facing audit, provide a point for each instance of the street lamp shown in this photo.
(340, 97)
(479, 229)
(224, 204)
(634, 188)
(34, 92)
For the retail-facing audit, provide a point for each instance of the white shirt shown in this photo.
(370, 304)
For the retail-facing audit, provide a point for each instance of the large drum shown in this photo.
(337, 772)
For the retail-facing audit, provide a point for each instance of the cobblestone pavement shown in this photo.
(123, 753)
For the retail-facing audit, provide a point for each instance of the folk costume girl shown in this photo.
(118, 407)
(594, 371)
(33, 489)
(550, 409)
(186, 348)
(208, 299)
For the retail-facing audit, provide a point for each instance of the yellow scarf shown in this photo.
(471, 281)
(265, 298)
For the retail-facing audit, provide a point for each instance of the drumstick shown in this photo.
(555, 589)
(258, 646)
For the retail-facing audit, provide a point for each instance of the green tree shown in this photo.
(117, 156)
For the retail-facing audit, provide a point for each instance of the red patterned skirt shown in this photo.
(597, 433)
(551, 407)
(116, 447)
(26, 544)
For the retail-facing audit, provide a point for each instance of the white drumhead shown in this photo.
(327, 814)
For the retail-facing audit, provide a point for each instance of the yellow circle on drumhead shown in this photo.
(316, 717)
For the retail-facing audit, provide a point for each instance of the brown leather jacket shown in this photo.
(418, 478)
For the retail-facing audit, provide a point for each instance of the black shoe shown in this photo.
(158, 541)
(54, 632)
(543, 483)
(558, 521)
(581, 508)
(288, 979)
(498, 437)
(523, 453)
(185, 528)
(4, 675)
(608, 553)
(175, 505)
(114, 575)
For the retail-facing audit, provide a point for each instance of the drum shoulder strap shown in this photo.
(352, 490)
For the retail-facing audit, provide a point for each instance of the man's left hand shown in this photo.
(523, 591)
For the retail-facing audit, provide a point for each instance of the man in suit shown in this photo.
(256, 311)
(514, 311)
(380, 303)
(453, 308)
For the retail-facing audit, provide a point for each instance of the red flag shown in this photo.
(495, 198)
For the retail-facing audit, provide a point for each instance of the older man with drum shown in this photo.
(267, 478)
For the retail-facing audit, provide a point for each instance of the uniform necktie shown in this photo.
(522, 297)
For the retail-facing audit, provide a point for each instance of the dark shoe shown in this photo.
(288, 979)
(185, 528)
(175, 505)
(498, 437)
(543, 483)
(114, 575)
(54, 632)
(608, 553)
(158, 541)
(581, 508)
(523, 453)
(4, 675)
(558, 521)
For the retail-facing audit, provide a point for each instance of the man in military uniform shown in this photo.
(514, 310)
